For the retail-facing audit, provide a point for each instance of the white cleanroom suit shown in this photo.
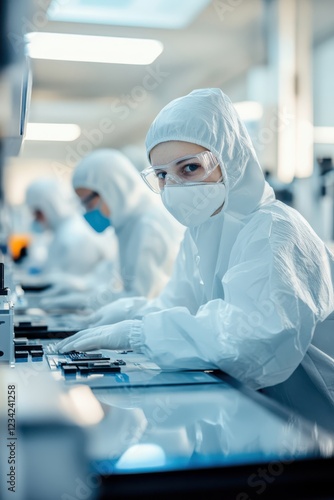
(74, 248)
(148, 236)
(251, 284)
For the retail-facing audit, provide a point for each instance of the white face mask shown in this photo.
(193, 204)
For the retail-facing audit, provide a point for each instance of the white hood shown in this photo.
(111, 174)
(54, 199)
(207, 117)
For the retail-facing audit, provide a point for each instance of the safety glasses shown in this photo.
(185, 170)
(87, 200)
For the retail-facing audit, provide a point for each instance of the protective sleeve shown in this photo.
(184, 288)
(146, 264)
(148, 260)
(74, 249)
(278, 286)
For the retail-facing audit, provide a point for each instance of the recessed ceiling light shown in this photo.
(102, 49)
(66, 132)
(324, 135)
(169, 14)
(249, 111)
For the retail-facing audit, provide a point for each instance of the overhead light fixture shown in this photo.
(323, 135)
(170, 14)
(65, 132)
(249, 111)
(86, 48)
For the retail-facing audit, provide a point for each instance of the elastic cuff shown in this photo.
(136, 335)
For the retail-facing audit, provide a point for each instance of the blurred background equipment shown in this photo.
(326, 195)
(45, 455)
(15, 90)
(79, 75)
(272, 57)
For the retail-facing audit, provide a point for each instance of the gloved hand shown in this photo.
(72, 300)
(74, 321)
(101, 337)
(64, 284)
(116, 311)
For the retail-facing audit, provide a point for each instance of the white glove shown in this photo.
(116, 311)
(73, 300)
(56, 290)
(63, 284)
(101, 337)
(67, 320)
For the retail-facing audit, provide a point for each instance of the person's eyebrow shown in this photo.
(165, 164)
(185, 158)
(181, 161)
(177, 162)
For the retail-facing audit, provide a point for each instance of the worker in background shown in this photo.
(112, 192)
(252, 282)
(73, 251)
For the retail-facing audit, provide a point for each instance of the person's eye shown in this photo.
(191, 167)
(161, 174)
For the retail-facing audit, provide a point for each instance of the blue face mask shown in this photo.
(97, 220)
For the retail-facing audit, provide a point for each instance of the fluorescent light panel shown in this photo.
(102, 49)
(323, 135)
(66, 132)
(249, 111)
(170, 14)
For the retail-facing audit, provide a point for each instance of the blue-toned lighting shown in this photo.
(102, 49)
(170, 14)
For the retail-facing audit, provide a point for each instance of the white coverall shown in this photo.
(250, 285)
(148, 236)
(74, 249)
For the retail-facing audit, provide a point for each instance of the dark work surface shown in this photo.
(298, 480)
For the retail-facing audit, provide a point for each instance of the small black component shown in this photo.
(3, 290)
(120, 362)
(36, 354)
(21, 355)
(29, 348)
(20, 341)
(87, 364)
(85, 370)
(30, 327)
(69, 370)
(82, 356)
